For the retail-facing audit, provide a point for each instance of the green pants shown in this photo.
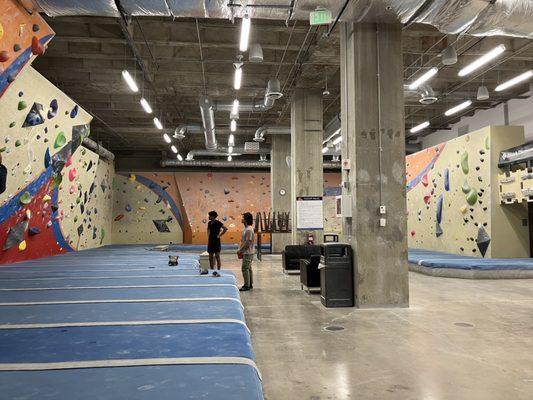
(247, 270)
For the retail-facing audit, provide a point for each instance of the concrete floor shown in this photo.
(460, 339)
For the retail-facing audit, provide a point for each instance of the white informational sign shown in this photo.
(309, 213)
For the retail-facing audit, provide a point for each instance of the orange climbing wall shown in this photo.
(18, 29)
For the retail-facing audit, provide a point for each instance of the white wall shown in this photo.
(520, 113)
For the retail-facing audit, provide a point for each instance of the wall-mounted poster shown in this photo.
(309, 213)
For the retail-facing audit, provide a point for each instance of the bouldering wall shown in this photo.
(22, 38)
(229, 194)
(450, 196)
(54, 193)
(148, 209)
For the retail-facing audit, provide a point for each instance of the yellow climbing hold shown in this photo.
(28, 214)
(138, 187)
(1, 31)
(132, 177)
(464, 209)
(46, 198)
(142, 208)
(22, 245)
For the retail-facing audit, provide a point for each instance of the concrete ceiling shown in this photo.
(186, 58)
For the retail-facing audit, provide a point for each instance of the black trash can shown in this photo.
(336, 275)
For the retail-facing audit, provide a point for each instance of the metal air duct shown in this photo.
(232, 164)
(208, 121)
(101, 151)
(270, 130)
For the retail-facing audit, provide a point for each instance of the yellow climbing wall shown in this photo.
(454, 182)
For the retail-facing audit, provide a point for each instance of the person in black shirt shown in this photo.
(3, 176)
(215, 230)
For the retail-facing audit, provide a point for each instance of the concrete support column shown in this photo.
(280, 185)
(306, 154)
(372, 114)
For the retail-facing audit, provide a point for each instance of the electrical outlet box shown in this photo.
(346, 206)
(382, 210)
(382, 222)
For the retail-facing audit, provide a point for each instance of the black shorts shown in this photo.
(213, 246)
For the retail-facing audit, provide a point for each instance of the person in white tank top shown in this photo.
(246, 251)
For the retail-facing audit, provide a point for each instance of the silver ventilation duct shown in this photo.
(474, 17)
(223, 152)
(231, 164)
(425, 93)
(270, 130)
(101, 151)
(208, 121)
(272, 93)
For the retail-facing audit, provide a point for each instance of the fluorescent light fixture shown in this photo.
(237, 78)
(157, 123)
(180, 158)
(235, 107)
(420, 127)
(167, 138)
(325, 150)
(230, 158)
(458, 108)
(515, 81)
(424, 78)
(145, 105)
(230, 149)
(245, 33)
(233, 125)
(231, 140)
(337, 140)
(174, 149)
(129, 80)
(491, 55)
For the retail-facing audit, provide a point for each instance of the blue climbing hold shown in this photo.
(53, 109)
(439, 209)
(74, 112)
(47, 158)
(34, 117)
(447, 179)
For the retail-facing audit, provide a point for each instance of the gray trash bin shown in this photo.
(336, 275)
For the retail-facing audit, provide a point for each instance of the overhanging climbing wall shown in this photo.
(451, 200)
(58, 194)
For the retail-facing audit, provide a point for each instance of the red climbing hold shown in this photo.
(4, 56)
(413, 233)
(426, 198)
(425, 180)
(36, 47)
(119, 217)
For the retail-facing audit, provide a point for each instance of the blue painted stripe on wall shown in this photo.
(157, 189)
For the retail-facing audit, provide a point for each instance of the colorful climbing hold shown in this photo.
(119, 217)
(447, 179)
(471, 197)
(439, 209)
(22, 245)
(74, 112)
(425, 180)
(53, 109)
(487, 143)
(464, 209)
(60, 140)
(72, 174)
(4, 56)
(427, 197)
(25, 198)
(464, 163)
(17, 143)
(466, 187)
(34, 117)
(22, 105)
(132, 178)
(36, 47)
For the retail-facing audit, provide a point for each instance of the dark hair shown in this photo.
(213, 214)
(248, 218)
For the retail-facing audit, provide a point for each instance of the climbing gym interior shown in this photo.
(266, 199)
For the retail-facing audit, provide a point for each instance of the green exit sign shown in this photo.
(320, 17)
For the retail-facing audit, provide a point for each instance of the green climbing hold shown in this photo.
(471, 197)
(56, 181)
(60, 140)
(17, 143)
(464, 163)
(11, 125)
(25, 198)
(466, 187)
(487, 142)
(2, 149)
(83, 152)
(78, 200)
(22, 105)
(102, 235)
(76, 218)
